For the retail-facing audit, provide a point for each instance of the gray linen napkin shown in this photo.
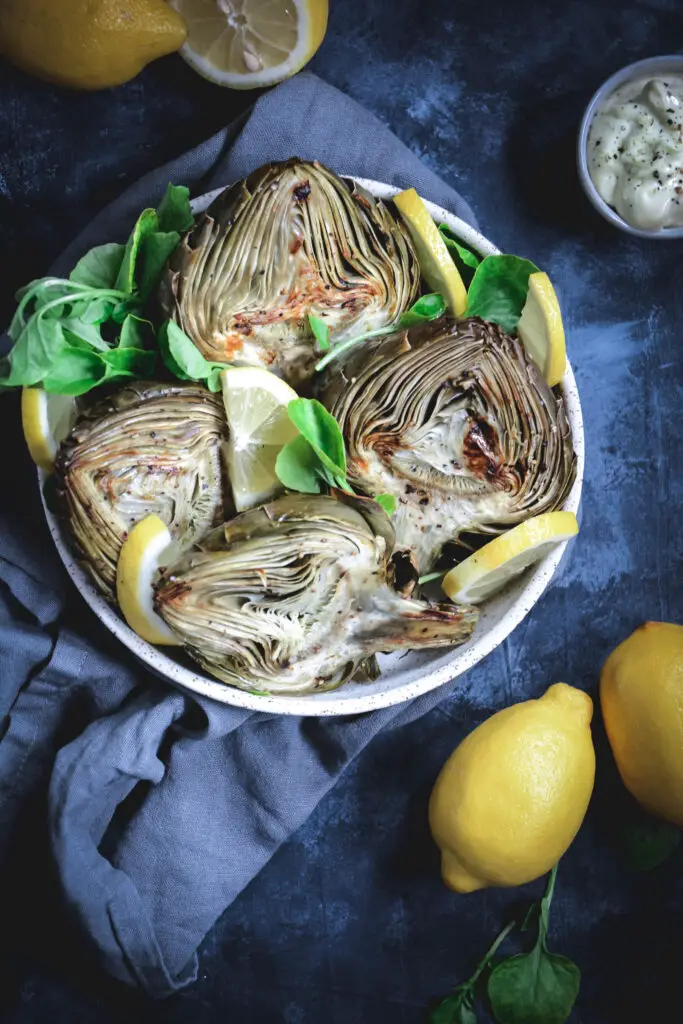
(217, 789)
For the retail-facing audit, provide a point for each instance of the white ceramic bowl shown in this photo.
(652, 66)
(404, 676)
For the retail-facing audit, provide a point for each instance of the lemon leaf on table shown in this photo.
(490, 568)
(256, 407)
(253, 43)
(139, 561)
(436, 265)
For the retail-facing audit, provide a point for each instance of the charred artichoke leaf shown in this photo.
(456, 422)
(291, 239)
(293, 597)
(148, 448)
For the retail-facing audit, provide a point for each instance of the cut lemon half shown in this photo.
(139, 562)
(247, 44)
(489, 569)
(438, 269)
(256, 408)
(540, 329)
(46, 419)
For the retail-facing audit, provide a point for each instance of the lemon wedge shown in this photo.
(489, 569)
(248, 44)
(438, 269)
(256, 408)
(138, 564)
(46, 419)
(540, 329)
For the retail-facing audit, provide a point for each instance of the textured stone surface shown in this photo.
(350, 923)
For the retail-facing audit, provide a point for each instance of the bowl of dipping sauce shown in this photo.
(630, 148)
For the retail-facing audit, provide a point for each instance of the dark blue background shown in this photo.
(350, 922)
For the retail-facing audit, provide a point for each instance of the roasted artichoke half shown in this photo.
(291, 239)
(148, 448)
(456, 422)
(293, 597)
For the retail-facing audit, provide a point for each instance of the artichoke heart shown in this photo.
(149, 448)
(454, 420)
(293, 597)
(291, 239)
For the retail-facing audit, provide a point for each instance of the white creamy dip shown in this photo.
(635, 152)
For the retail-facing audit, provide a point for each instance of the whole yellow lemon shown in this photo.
(641, 694)
(88, 44)
(513, 794)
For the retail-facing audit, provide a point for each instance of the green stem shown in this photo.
(488, 957)
(339, 350)
(101, 293)
(431, 576)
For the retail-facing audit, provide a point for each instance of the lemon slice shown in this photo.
(489, 569)
(256, 408)
(438, 269)
(540, 329)
(46, 419)
(138, 564)
(246, 44)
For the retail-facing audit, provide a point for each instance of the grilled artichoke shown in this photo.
(148, 448)
(291, 239)
(292, 597)
(456, 422)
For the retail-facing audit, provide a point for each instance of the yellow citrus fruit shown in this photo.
(46, 419)
(88, 44)
(641, 694)
(541, 330)
(248, 44)
(438, 269)
(139, 562)
(513, 794)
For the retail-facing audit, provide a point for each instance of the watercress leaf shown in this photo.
(455, 1009)
(146, 224)
(649, 843)
(427, 307)
(97, 311)
(498, 290)
(186, 361)
(129, 362)
(213, 381)
(89, 333)
(388, 503)
(322, 432)
(534, 988)
(298, 468)
(321, 332)
(469, 258)
(122, 309)
(37, 349)
(76, 372)
(175, 213)
(136, 333)
(100, 267)
(154, 251)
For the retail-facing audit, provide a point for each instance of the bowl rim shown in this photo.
(335, 702)
(619, 78)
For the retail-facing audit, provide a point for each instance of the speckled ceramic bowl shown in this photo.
(655, 66)
(404, 676)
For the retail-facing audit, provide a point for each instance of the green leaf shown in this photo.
(89, 333)
(213, 381)
(130, 362)
(122, 309)
(76, 372)
(298, 467)
(649, 843)
(455, 1009)
(499, 289)
(136, 333)
(466, 256)
(146, 224)
(154, 251)
(534, 988)
(321, 332)
(38, 347)
(427, 307)
(428, 577)
(100, 267)
(181, 355)
(175, 213)
(97, 311)
(322, 432)
(388, 503)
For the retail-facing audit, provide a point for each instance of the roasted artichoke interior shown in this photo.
(450, 419)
